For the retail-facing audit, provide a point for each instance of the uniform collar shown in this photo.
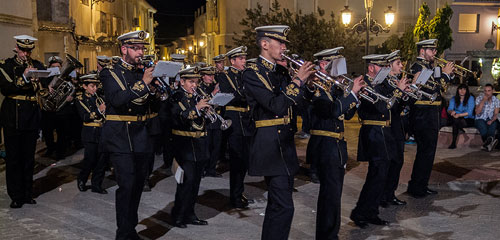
(88, 94)
(18, 60)
(189, 95)
(421, 59)
(266, 63)
(126, 65)
(234, 70)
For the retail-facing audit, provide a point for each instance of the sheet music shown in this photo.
(167, 69)
(221, 99)
(337, 67)
(37, 73)
(54, 71)
(381, 75)
(179, 172)
(424, 75)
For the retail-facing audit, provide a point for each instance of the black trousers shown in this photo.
(458, 123)
(279, 209)
(187, 192)
(48, 127)
(63, 129)
(372, 191)
(20, 158)
(214, 145)
(394, 171)
(168, 149)
(130, 171)
(93, 162)
(238, 153)
(424, 160)
(331, 177)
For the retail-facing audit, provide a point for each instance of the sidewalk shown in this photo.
(459, 211)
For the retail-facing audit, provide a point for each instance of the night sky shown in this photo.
(174, 17)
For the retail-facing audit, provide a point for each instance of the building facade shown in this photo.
(218, 21)
(88, 28)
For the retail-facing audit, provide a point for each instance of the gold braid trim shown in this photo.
(264, 81)
(117, 80)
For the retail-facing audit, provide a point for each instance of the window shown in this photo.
(102, 23)
(468, 23)
(86, 65)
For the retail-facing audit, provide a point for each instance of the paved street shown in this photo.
(467, 206)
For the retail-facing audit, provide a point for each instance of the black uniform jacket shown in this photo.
(88, 109)
(126, 95)
(271, 95)
(188, 128)
(397, 126)
(231, 82)
(329, 109)
(428, 116)
(15, 113)
(375, 141)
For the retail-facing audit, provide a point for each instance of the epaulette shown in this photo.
(2, 61)
(110, 67)
(253, 67)
(79, 97)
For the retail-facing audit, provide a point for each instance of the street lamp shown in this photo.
(202, 43)
(368, 24)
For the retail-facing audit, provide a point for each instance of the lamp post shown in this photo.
(368, 24)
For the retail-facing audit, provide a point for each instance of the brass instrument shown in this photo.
(373, 96)
(55, 100)
(458, 70)
(392, 82)
(211, 114)
(99, 102)
(418, 91)
(160, 86)
(326, 81)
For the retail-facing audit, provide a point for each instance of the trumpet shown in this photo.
(407, 95)
(417, 90)
(327, 81)
(211, 114)
(161, 87)
(372, 96)
(99, 102)
(458, 70)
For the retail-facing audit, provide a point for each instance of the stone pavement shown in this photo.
(465, 208)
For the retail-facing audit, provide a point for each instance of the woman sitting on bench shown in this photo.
(461, 110)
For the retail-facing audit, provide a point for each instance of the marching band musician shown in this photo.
(240, 131)
(327, 146)
(209, 88)
(375, 144)
(102, 62)
(271, 93)
(91, 109)
(424, 118)
(398, 132)
(190, 141)
(126, 131)
(20, 119)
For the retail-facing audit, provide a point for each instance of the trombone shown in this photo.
(458, 70)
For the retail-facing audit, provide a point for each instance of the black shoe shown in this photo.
(359, 221)
(146, 188)
(417, 194)
(99, 190)
(384, 204)
(30, 201)
(198, 222)
(16, 204)
(378, 221)
(180, 224)
(81, 185)
(452, 146)
(245, 199)
(239, 203)
(314, 178)
(430, 192)
(397, 202)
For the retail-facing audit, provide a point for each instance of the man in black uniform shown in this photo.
(20, 119)
(91, 109)
(398, 132)
(208, 88)
(49, 118)
(220, 73)
(327, 146)
(424, 118)
(271, 93)
(126, 132)
(190, 140)
(375, 144)
(241, 128)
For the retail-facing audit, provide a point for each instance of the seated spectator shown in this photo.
(461, 110)
(487, 107)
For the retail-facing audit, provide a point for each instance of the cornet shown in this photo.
(419, 92)
(327, 81)
(211, 114)
(407, 95)
(458, 70)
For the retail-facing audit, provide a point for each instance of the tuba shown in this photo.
(55, 100)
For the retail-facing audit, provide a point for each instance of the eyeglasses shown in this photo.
(136, 48)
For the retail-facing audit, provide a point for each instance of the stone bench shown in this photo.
(470, 138)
